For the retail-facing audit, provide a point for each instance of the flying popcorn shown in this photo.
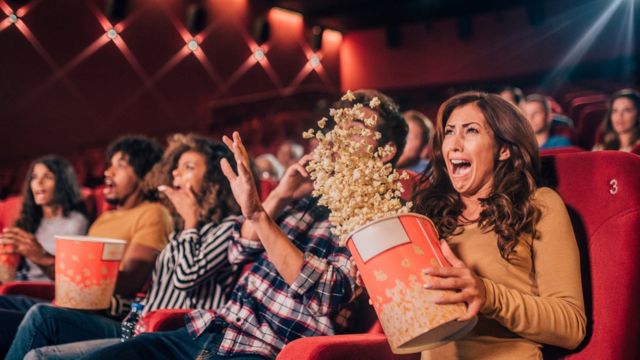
(349, 175)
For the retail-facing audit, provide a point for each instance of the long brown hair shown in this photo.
(611, 139)
(509, 210)
(215, 198)
(66, 194)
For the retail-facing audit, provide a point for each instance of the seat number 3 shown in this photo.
(613, 186)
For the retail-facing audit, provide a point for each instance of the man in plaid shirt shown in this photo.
(301, 283)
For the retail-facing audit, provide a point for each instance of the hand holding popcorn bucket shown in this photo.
(86, 271)
(390, 254)
(9, 261)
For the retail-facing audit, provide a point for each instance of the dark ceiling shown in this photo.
(345, 15)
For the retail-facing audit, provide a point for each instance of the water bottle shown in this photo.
(129, 323)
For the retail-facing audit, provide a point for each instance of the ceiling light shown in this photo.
(314, 61)
(112, 34)
(258, 53)
(192, 45)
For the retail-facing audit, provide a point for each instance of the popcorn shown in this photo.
(410, 312)
(349, 175)
(348, 96)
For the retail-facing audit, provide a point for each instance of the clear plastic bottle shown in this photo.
(129, 322)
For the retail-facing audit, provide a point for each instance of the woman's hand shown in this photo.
(25, 244)
(242, 184)
(468, 286)
(185, 202)
(295, 182)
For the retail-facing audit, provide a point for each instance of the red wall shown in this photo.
(500, 48)
(64, 86)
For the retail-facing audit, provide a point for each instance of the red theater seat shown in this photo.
(165, 319)
(580, 103)
(101, 203)
(591, 118)
(266, 187)
(560, 150)
(38, 289)
(10, 211)
(603, 198)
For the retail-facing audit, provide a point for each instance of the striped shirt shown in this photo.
(264, 312)
(193, 271)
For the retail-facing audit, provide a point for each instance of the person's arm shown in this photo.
(135, 269)
(555, 316)
(325, 280)
(150, 236)
(201, 255)
(284, 255)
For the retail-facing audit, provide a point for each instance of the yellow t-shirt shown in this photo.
(534, 299)
(147, 224)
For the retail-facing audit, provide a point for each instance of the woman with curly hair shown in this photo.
(192, 272)
(52, 204)
(514, 254)
(621, 125)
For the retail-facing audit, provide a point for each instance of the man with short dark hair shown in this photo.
(538, 111)
(301, 282)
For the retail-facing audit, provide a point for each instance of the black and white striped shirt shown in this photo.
(193, 271)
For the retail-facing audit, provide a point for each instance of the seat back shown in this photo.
(602, 195)
(10, 211)
(578, 104)
(560, 150)
(591, 118)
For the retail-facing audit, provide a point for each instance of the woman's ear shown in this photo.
(504, 154)
(392, 154)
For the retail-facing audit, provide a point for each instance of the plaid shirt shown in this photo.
(264, 313)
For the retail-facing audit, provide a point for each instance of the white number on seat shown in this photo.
(613, 186)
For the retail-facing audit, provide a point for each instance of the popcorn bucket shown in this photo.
(390, 254)
(86, 271)
(8, 263)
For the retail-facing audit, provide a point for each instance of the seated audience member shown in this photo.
(268, 167)
(418, 139)
(511, 243)
(51, 205)
(192, 272)
(536, 109)
(144, 225)
(512, 94)
(289, 153)
(301, 283)
(621, 125)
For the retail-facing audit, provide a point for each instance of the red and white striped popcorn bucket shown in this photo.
(390, 254)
